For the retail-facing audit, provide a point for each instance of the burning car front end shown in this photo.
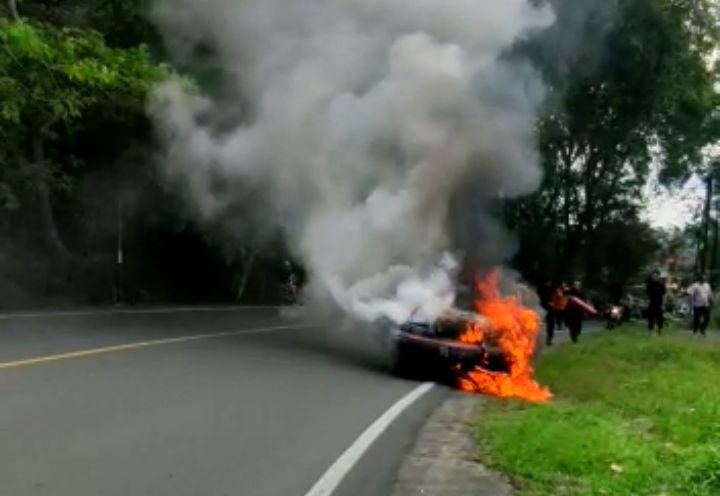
(422, 347)
(491, 350)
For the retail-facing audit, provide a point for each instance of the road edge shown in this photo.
(149, 310)
(337, 472)
(443, 460)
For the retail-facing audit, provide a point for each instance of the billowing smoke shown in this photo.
(377, 132)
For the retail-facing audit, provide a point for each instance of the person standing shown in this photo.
(700, 294)
(558, 304)
(574, 314)
(655, 289)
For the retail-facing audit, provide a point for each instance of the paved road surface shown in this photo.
(263, 412)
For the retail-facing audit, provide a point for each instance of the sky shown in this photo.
(667, 210)
(673, 209)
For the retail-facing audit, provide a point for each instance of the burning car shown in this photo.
(490, 350)
(439, 345)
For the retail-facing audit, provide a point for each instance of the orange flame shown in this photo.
(515, 329)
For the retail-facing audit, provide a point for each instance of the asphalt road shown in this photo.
(263, 411)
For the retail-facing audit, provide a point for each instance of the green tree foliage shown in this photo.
(55, 77)
(56, 84)
(124, 23)
(77, 172)
(631, 85)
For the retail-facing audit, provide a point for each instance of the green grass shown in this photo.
(632, 415)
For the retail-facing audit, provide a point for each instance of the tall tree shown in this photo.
(630, 86)
(124, 23)
(53, 80)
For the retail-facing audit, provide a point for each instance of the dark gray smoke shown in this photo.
(378, 132)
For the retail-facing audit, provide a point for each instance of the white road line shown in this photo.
(119, 311)
(334, 475)
(142, 344)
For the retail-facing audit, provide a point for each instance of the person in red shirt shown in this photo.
(555, 303)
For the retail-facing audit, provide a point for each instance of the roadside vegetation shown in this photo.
(88, 217)
(632, 415)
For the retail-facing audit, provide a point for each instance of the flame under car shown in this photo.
(418, 347)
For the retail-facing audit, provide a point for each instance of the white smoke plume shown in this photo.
(359, 121)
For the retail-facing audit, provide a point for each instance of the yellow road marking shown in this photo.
(137, 311)
(137, 345)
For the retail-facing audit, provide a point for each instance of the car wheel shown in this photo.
(400, 366)
(399, 363)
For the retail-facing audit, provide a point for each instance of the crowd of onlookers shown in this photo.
(565, 306)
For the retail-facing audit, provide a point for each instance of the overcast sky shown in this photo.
(668, 210)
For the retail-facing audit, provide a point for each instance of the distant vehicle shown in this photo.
(614, 316)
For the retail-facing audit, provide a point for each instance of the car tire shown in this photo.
(400, 366)
(399, 363)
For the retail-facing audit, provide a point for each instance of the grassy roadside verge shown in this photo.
(633, 415)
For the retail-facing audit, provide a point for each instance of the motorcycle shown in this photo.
(613, 317)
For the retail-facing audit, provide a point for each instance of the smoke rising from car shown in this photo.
(377, 133)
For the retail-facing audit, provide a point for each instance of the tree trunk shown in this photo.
(248, 264)
(59, 254)
(567, 256)
(14, 14)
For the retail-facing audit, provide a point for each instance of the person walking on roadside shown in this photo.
(700, 295)
(655, 289)
(558, 303)
(574, 314)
